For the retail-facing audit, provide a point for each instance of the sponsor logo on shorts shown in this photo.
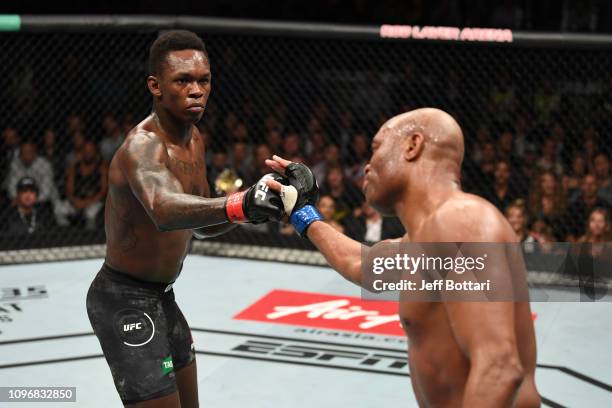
(167, 365)
(325, 311)
(135, 327)
(132, 326)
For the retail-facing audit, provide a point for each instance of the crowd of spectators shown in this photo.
(550, 187)
(57, 178)
(523, 149)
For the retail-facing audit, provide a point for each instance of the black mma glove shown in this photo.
(256, 205)
(303, 212)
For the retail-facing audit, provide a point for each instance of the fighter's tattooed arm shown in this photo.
(144, 163)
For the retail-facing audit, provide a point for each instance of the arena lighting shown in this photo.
(445, 33)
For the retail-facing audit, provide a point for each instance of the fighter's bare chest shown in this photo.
(191, 172)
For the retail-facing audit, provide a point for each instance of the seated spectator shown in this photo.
(580, 209)
(483, 135)
(359, 155)
(28, 163)
(346, 196)
(51, 152)
(546, 201)
(346, 130)
(548, 160)
(542, 233)
(601, 167)
(241, 159)
(313, 125)
(74, 124)
(502, 193)
(371, 227)
(327, 208)
(332, 158)
(522, 139)
(291, 145)
(229, 123)
(274, 140)
(315, 147)
(505, 148)
(479, 175)
(74, 155)
(86, 185)
(516, 213)
(240, 133)
(28, 216)
(260, 169)
(10, 147)
(113, 137)
(526, 171)
(598, 227)
(572, 179)
(272, 124)
(10, 150)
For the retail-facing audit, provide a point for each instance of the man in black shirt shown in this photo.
(27, 216)
(502, 192)
(578, 211)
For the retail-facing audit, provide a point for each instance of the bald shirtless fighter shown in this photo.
(158, 197)
(470, 354)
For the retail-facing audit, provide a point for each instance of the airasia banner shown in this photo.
(325, 311)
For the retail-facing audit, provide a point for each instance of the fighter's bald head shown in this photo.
(442, 134)
(412, 151)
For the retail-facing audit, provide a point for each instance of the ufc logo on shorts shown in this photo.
(132, 326)
(262, 188)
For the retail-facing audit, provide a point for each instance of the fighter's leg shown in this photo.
(169, 401)
(187, 383)
(183, 355)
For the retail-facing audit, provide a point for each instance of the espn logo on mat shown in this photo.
(325, 311)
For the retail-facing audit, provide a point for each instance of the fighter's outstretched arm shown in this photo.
(341, 252)
(143, 161)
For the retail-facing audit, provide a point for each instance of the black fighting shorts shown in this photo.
(143, 334)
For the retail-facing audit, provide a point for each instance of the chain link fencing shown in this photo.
(536, 121)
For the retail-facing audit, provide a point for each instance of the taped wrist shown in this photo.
(302, 218)
(234, 210)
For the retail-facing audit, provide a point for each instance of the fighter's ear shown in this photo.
(153, 85)
(413, 146)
